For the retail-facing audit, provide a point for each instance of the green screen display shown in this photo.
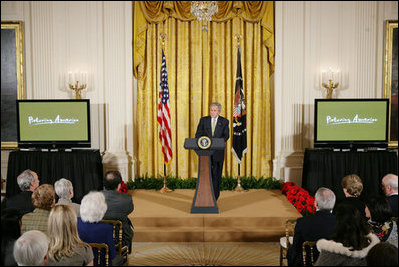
(53, 121)
(351, 120)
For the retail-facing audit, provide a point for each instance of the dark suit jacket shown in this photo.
(393, 202)
(310, 228)
(21, 202)
(204, 128)
(120, 205)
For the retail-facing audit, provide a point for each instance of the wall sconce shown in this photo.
(330, 80)
(77, 81)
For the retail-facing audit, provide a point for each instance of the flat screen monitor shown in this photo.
(351, 123)
(53, 123)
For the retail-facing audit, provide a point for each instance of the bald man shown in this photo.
(390, 187)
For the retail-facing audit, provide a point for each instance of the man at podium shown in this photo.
(215, 126)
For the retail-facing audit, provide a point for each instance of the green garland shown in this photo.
(227, 183)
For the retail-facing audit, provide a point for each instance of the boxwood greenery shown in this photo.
(227, 183)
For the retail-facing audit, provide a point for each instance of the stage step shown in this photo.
(252, 216)
(208, 234)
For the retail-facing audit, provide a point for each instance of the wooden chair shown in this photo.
(101, 257)
(308, 248)
(287, 240)
(123, 251)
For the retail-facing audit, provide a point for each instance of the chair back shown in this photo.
(116, 233)
(308, 250)
(117, 236)
(287, 240)
(100, 253)
(289, 231)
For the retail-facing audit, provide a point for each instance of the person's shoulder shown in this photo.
(223, 119)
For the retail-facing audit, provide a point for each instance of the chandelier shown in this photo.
(204, 10)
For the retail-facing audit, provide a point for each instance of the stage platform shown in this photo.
(257, 215)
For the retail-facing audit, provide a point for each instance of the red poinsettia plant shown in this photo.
(299, 197)
(123, 188)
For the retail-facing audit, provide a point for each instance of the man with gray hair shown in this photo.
(390, 187)
(31, 249)
(27, 181)
(313, 227)
(215, 126)
(64, 190)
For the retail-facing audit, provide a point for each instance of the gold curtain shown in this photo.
(201, 69)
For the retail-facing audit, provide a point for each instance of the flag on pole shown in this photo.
(165, 135)
(239, 115)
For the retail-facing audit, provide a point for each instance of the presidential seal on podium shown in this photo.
(204, 142)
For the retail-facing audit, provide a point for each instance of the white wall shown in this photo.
(311, 36)
(96, 37)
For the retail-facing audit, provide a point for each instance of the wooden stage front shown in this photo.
(256, 215)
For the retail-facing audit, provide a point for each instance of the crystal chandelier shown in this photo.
(204, 10)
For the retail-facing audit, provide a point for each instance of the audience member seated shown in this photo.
(31, 249)
(353, 187)
(351, 241)
(66, 248)
(91, 230)
(380, 214)
(120, 205)
(313, 227)
(64, 190)
(390, 187)
(27, 181)
(43, 200)
(10, 232)
(382, 254)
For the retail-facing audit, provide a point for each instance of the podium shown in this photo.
(204, 199)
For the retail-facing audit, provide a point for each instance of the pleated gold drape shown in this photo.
(201, 69)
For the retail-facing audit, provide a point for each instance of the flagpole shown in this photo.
(239, 188)
(165, 189)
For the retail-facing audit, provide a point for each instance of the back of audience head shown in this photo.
(324, 199)
(63, 233)
(44, 197)
(10, 223)
(64, 188)
(10, 231)
(31, 249)
(382, 254)
(351, 227)
(112, 179)
(93, 207)
(28, 180)
(378, 209)
(390, 184)
(352, 185)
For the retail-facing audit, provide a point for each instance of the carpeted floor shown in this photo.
(204, 254)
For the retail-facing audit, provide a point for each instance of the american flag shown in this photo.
(165, 135)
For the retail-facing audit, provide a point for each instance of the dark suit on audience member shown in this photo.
(310, 228)
(21, 202)
(393, 202)
(221, 131)
(354, 201)
(120, 205)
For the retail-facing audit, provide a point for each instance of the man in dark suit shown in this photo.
(120, 205)
(27, 181)
(313, 227)
(390, 187)
(215, 126)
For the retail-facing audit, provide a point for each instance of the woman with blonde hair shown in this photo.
(66, 248)
(352, 186)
